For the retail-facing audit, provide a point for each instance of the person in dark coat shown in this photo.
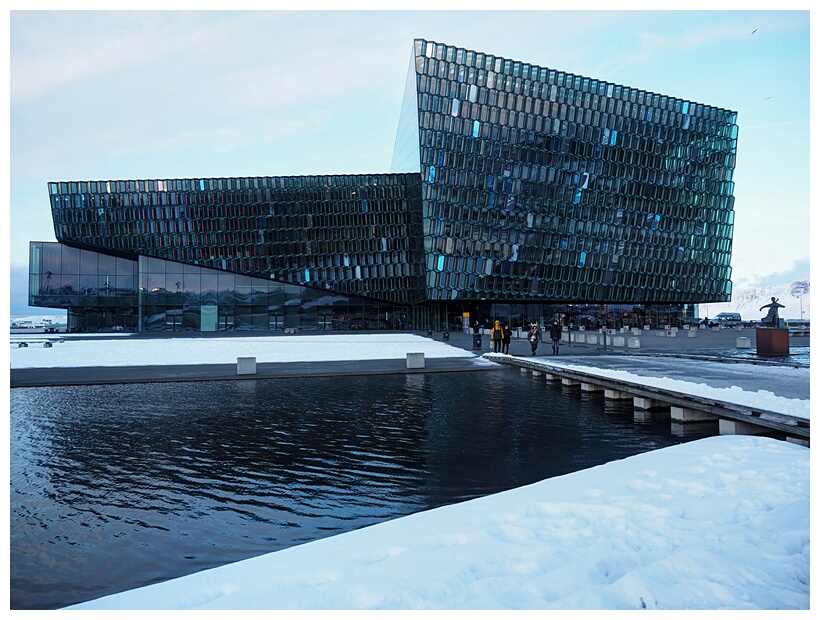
(506, 336)
(534, 337)
(555, 336)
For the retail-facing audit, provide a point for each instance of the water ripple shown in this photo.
(115, 487)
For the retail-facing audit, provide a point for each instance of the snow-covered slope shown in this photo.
(749, 301)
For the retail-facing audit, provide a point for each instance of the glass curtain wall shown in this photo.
(541, 184)
(98, 291)
(177, 297)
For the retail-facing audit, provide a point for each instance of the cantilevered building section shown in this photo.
(540, 184)
(352, 234)
(517, 191)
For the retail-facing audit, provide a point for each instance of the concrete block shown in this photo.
(415, 360)
(800, 441)
(618, 341)
(693, 333)
(570, 382)
(642, 402)
(616, 394)
(637, 331)
(744, 342)
(671, 333)
(736, 427)
(591, 387)
(685, 414)
(634, 343)
(246, 365)
(592, 338)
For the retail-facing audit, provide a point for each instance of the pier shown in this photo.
(682, 407)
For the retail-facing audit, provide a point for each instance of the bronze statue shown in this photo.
(771, 319)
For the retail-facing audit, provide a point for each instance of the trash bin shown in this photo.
(476, 341)
(446, 335)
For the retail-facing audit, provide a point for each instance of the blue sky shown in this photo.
(159, 94)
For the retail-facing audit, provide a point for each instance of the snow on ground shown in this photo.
(761, 399)
(172, 351)
(718, 523)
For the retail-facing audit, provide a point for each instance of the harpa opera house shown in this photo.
(517, 192)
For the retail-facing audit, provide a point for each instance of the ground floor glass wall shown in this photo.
(177, 297)
(105, 293)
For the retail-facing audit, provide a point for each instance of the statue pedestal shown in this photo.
(772, 341)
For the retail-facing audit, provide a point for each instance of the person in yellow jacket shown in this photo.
(496, 334)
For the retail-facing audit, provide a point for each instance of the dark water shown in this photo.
(115, 487)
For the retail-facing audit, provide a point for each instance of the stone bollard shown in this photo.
(246, 365)
(415, 360)
(743, 342)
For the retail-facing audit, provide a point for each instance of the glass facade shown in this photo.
(350, 234)
(517, 192)
(541, 184)
(105, 293)
(99, 291)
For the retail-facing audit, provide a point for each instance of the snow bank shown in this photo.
(719, 523)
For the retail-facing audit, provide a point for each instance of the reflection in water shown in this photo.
(115, 487)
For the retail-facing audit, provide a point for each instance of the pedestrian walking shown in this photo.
(555, 336)
(505, 339)
(496, 336)
(534, 337)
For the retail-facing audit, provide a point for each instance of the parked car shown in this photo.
(729, 319)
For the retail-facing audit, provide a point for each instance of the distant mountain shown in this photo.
(749, 301)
